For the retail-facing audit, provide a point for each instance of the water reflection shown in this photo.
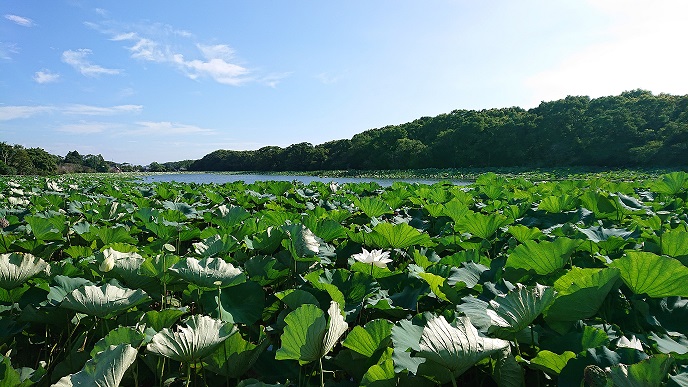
(219, 178)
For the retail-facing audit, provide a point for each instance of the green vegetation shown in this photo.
(507, 282)
(634, 129)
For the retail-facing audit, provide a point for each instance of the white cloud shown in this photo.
(46, 76)
(101, 12)
(22, 21)
(78, 60)
(639, 50)
(89, 110)
(14, 112)
(161, 43)
(166, 128)
(218, 69)
(21, 111)
(7, 49)
(84, 127)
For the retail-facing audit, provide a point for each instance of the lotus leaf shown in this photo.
(657, 276)
(106, 369)
(456, 348)
(209, 273)
(544, 257)
(103, 301)
(308, 336)
(198, 339)
(517, 309)
(16, 268)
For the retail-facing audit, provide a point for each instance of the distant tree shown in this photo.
(74, 157)
(96, 162)
(43, 162)
(21, 161)
(156, 167)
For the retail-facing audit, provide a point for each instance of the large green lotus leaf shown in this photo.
(17, 268)
(368, 339)
(326, 229)
(550, 362)
(381, 374)
(188, 344)
(524, 233)
(543, 258)
(308, 336)
(599, 234)
(455, 209)
(235, 356)
(666, 344)
(109, 235)
(106, 369)
(216, 245)
(106, 300)
(671, 183)
(372, 206)
(303, 240)
(649, 372)
(23, 377)
(517, 309)
(294, 298)
(654, 275)
(303, 334)
(229, 217)
(120, 335)
(580, 295)
(399, 236)
(481, 226)
(241, 304)
(558, 203)
(675, 243)
(64, 286)
(508, 372)
(456, 348)
(208, 273)
(163, 318)
(265, 242)
(47, 229)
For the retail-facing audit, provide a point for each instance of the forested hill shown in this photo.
(634, 129)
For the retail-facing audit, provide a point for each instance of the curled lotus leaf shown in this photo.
(106, 369)
(208, 272)
(103, 301)
(190, 343)
(16, 268)
(456, 348)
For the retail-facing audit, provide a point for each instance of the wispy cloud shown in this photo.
(85, 127)
(166, 128)
(22, 111)
(78, 60)
(7, 49)
(14, 112)
(22, 21)
(46, 76)
(162, 43)
(102, 12)
(216, 65)
(90, 110)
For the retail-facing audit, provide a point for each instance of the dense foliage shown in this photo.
(504, 282)
(635, 128)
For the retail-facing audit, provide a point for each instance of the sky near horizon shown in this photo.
(144, 81)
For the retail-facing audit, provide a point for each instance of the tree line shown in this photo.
(633, 129)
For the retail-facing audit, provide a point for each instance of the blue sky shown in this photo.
(143, 81)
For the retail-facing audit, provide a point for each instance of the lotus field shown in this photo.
(107, 281)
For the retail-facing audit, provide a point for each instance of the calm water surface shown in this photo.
(219, 178)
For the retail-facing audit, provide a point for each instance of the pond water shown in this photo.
(221, 178)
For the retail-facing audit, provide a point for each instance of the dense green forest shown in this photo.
(634, 129)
